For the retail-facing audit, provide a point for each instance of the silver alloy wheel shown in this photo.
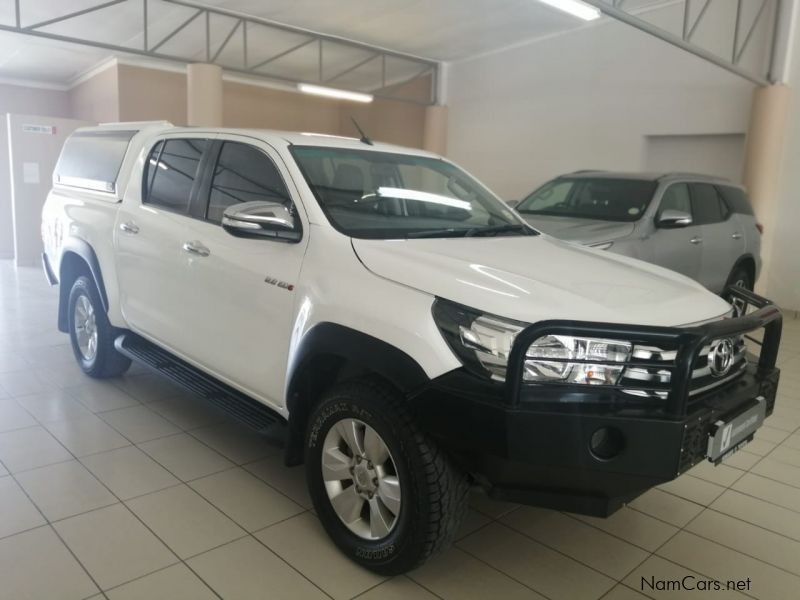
(85, 327)
(361, 479)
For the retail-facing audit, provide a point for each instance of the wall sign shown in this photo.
(46, 129)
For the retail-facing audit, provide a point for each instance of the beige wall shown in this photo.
(151, 95)
(256, 106)
(97, 99)
(392, 121)
(15, 99)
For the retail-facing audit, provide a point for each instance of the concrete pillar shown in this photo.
(204, 95)
(435, 135)
(762, 165)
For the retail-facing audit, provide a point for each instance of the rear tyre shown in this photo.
(386, 495)
(90, 333)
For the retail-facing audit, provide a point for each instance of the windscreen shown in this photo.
(602, 198)
(92, 159)
(382, 195)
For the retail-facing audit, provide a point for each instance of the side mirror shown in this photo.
(258, 219)
(671, 218)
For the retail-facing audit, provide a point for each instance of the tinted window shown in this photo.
(92, 159)
(707, 206)
(171, 173)
(383, 195)
(244, 174)
(600, 198)
(736, 199)
(676, 197)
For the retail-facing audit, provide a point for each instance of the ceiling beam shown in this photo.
(684, 41)
(253, 28)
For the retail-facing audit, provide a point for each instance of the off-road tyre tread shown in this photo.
(446, 485)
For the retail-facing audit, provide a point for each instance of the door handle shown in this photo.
(696, 240)
(195, 247)
(736, 236)
(129, 227)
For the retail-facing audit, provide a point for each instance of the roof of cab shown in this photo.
(287, 138)
(274, 137)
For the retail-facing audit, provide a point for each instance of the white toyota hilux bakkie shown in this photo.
(407, 331)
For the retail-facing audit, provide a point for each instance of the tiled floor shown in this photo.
(130, 489)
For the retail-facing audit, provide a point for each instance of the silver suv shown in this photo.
(697, 225)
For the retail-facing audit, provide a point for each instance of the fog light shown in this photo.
(606, 443)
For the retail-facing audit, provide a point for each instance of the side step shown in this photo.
(241, 407)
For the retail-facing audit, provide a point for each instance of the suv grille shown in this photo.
(652, 379)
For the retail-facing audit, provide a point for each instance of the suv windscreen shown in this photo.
(382, 195)
(599, 198)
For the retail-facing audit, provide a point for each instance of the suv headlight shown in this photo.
(550, 359)
(482, 341)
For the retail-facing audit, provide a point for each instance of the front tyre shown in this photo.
(90, 333)
(386, 495)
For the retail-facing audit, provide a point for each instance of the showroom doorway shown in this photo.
(721, 155)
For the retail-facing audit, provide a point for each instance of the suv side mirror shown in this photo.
(671, 218)
(260, 219)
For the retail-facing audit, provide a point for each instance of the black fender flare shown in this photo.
(339, 345)
(83, 250)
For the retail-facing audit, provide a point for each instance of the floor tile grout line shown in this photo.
(545, 544)
(119, 501)
(551, 548)
(493, 568)
(764, 499)
(291, 566)
(48, 524)
(392, 578)
(708, 539)
(614, 535)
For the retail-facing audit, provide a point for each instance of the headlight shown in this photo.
(602, 245)
(549, 359)
(482, 341)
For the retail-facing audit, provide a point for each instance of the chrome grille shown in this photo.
(653, 378)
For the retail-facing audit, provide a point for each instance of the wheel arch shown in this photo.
(748, 262)
(330, 353)
(77, 258)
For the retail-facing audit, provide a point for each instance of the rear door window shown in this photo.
(171, 173)
(707, 205)
(736, 199)
(244, 174)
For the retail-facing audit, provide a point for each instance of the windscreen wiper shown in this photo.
(433, 233)
(495, 229)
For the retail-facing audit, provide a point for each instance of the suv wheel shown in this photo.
(740, 277)
(91, 334)
(387, 496)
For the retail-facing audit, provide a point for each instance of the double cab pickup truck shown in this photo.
(409, 334)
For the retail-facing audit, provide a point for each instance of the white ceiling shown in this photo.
(442, 30)
(439, 30)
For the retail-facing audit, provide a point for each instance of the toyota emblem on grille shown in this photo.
(720, 357)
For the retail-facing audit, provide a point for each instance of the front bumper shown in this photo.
(534, 444)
